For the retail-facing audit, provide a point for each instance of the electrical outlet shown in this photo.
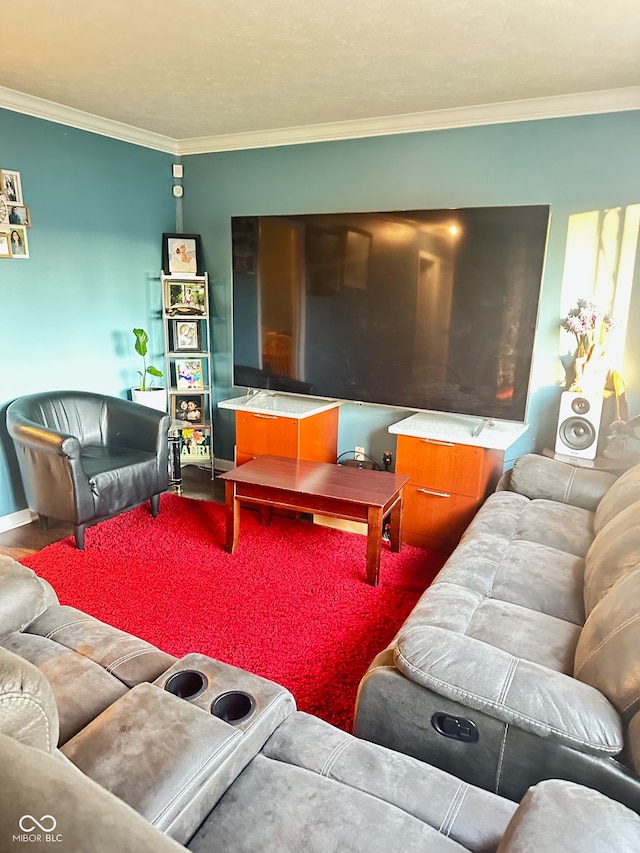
(359, 453)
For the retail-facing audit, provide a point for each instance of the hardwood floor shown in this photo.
(21, 541)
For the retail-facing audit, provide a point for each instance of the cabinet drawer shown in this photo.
(441, 465)
(436, 514)
(260, 435)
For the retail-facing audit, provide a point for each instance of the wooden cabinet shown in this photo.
(314, 437)
(449, 482)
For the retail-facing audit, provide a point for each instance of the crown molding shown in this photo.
(558, 106)
(19, 102)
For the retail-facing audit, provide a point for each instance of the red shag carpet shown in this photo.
(291, 604)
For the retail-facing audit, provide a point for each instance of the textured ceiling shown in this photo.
(201, 68)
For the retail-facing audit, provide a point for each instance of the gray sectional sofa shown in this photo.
(521, 662)
(109, 744)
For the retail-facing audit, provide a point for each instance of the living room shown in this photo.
(100, 198)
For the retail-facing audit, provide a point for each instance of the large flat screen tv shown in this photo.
(421, 309)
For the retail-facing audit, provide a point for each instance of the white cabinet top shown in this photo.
(275, 403)
(461, 429)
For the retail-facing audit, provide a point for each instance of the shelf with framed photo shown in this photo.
(186, 315)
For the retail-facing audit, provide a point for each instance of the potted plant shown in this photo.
(147, 394)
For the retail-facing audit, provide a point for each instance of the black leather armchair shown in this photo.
(84, 457)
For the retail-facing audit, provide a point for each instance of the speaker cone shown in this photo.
(580, 406)
(577, 433)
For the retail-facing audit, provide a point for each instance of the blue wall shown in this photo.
(98, 208)
(574, 164)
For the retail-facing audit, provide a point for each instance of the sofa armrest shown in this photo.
(23, 596)
(542, 477)
(558, 815)
(86, 816)
(516, 691)
(28, 711)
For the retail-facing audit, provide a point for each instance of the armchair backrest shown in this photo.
(82, 414)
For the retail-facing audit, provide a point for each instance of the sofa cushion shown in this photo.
(607, 653)
(529, 574)
(27, 707)
(125, 656)
(622, 493)
(24, 596)
(558, 815)
(561, 526)
(468, 815)
(614, 551)
(82, 688)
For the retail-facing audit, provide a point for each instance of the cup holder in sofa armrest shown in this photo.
(234, 706)
(237, 697)
(187, 684)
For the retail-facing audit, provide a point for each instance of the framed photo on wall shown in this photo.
(5, 251)
(186, 336)
(11, 186)
(189, 375)
(188, 408)
(19, 214)
(18, 242)
(182, 254)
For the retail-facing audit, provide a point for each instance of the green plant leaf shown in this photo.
(142, 339)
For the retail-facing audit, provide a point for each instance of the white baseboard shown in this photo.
(16, 519)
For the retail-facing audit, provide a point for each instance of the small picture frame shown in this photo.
(182, 254)
(5, 251)
(11, 186)
(185, 297)
(189, 376)
(189, 408)
(195, 445)
(18, 242)
(186, 336)
(19, 214)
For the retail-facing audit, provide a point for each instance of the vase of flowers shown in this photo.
(590, 326)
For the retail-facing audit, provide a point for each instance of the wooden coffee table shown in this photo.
(356, 494)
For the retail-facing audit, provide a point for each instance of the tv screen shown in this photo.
(421, 309)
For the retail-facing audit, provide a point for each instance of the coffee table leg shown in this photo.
(374, 544)
(395, 518)
(232, 507)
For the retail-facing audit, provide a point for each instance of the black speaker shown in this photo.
(579, 424)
